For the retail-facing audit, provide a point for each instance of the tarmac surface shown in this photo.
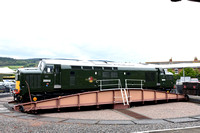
(165, 117)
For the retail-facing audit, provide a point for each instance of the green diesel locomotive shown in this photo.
(55, 77)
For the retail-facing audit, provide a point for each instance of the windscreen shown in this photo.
(41, 65)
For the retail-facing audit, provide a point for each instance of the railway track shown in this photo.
(5, 95)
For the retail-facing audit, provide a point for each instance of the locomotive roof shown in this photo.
(29, 70)
(98, 63)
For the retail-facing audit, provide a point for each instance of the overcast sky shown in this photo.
(118, 30)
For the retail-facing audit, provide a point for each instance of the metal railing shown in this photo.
(111, 83)
(116, 83)
(134, 82)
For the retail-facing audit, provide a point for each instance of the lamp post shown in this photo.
(183, 74)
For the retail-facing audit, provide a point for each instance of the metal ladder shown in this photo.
(124, 91)
(124, 96)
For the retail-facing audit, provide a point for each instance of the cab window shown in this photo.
(48, 69)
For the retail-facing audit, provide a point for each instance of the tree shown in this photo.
(176, 76)
(197, 72)
(189, 72)
(172, 71)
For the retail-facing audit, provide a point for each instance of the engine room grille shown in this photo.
(34, 81)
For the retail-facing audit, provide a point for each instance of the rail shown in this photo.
(115, 83)
(134, 82)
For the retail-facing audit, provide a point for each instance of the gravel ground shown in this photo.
(9, 124)
(158, 111)
(168, 110)
(97, 115)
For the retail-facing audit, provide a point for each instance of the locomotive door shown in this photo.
(57, 76)
(159, 77)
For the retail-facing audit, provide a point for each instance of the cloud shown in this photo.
(131, 31)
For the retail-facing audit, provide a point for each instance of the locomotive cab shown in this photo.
(52, 74)
(165, 79)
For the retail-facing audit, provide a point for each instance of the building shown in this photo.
(5, 71)
(174, 62)
(177, 66)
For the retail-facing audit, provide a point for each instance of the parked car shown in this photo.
(11, 87)
(2, 88)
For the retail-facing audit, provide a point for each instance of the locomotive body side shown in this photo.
(52, 79)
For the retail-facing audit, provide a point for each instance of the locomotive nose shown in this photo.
(17, 87)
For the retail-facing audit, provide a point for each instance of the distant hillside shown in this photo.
(6, 61)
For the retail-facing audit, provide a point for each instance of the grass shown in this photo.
(14, 67)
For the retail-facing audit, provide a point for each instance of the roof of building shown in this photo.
(181, 65)
(176, 64)
(6, 70)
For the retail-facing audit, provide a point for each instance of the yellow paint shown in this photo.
(17, 86)
(35, 99)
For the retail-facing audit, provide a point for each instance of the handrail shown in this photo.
(134, 84)
(101, 85)
(117, 83)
